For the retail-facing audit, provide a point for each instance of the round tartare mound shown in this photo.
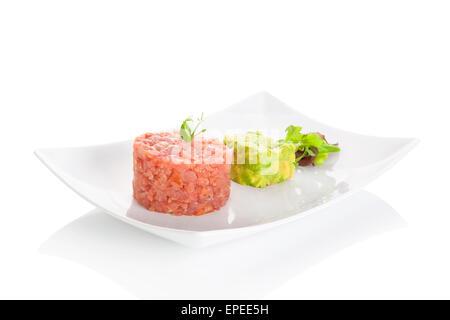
(180, 178)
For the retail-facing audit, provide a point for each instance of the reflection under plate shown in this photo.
(151, 268)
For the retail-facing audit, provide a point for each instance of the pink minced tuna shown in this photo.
(181, 178)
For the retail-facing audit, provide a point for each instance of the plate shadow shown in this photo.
(153, 268)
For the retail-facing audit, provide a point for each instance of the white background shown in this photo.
(89, 72)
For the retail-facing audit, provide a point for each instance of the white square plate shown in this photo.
(103, 176)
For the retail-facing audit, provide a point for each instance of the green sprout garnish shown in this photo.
(185, 131)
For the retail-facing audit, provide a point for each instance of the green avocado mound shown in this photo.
(258, 161)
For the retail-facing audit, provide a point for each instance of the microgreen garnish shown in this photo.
(186, 133)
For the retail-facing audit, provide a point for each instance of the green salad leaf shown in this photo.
(186, 133)
(310, 144)
(293, 134)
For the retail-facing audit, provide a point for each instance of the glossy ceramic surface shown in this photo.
(103, 174)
